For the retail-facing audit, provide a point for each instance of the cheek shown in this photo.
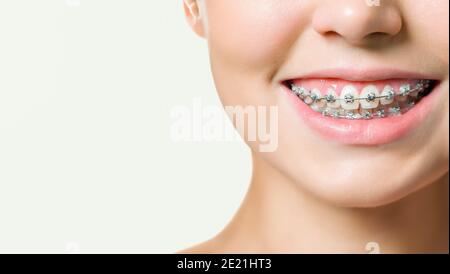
(254, 34)
(428, 24)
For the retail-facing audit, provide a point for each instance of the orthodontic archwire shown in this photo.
(405, 90)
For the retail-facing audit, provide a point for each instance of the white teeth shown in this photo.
(349, 98)
(366, 113)
(315, 93)
(307, 95)
(352, 105)
(405, 90)
(331, 98)
(370, 92)
(299, 91)
(395, 110)
(388, 95)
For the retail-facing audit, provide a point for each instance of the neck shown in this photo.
(277, 216)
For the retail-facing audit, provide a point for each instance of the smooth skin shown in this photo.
(312, 196)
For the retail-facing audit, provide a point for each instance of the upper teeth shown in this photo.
(349, 96)
(371, 94)
(331, 99)
(388, 95)
(405, 89)
(316, 95)
(371, 100)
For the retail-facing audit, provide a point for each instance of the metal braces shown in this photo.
(405, 90)
(367, 115)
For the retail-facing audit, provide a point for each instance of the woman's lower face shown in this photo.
(361, 89)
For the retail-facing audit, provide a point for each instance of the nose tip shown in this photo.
(356, 22)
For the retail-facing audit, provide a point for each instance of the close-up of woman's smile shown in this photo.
(366, 113)
(361, 89)
(246, 129)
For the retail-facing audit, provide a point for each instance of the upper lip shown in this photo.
(362, 75)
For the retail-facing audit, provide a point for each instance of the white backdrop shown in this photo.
(86, 159)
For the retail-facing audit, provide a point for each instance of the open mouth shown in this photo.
(342, 99)
(370, 112)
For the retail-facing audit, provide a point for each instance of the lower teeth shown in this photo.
(394, 109)
(400, 105)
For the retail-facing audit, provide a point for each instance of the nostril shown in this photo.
(357, 23)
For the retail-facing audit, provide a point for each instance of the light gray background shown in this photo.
(86, 160)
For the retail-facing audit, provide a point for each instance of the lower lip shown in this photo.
(365, 132)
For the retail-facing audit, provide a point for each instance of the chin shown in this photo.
(356, 190)
(356, 183)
